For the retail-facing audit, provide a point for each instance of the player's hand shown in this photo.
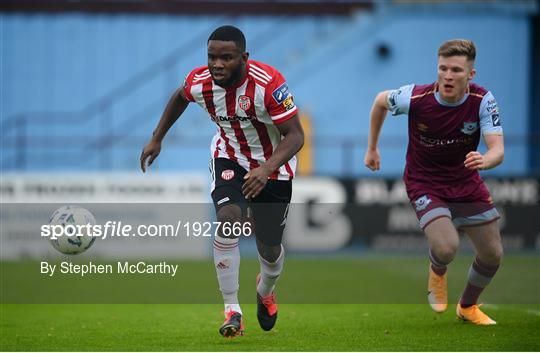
(151, 150)
(255, 181)
(372, 159)
(475, 161)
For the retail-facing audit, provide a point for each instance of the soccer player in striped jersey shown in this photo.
(252, 165)
(446, 119)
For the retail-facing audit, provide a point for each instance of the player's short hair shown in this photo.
(458, 47)
(229, 34)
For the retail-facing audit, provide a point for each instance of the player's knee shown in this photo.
(447, 252)
(229, 214)
(494, 255)
(498, 255)
(269, 253)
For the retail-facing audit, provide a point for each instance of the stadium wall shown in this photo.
(98, 83)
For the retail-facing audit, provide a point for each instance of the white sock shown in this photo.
(232, 307)
(227, 263)
(270, 272)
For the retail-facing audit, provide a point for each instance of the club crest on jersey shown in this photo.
(469, 127)
(244, 102)
(421, 203)
(227, 174)
(281, 93)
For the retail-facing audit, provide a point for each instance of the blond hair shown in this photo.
(458, 47)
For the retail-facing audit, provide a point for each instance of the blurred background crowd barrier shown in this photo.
(327, 215)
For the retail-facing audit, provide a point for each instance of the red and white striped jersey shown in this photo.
(246, 115)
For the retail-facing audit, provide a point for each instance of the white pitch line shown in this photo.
(528, 311)
(491, 306)
(534, 312)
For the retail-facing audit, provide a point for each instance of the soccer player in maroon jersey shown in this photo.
(446, 119)
(253, 161)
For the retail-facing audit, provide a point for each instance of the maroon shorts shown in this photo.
(472, 209)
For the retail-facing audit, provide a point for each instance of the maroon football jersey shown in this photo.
(440, 136)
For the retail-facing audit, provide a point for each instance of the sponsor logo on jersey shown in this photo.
(431, 142)
(227, 174)
(288, 103)
(496, 120)
(218, 118)
(469, 127)
(281, 93)
(244, 102)
(421, 203)
(422, 127)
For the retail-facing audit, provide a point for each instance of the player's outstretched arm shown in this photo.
(292, 142)
(372, 159)
(493, 156)
(175, 107)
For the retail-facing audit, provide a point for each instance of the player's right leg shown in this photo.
(443, 241)
(227, 264)
(230, 206)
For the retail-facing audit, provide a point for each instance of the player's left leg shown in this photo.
(443, 241)
(489, 251)
(270, 213)
(271, 259)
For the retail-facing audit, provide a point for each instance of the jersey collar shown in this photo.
(449, 104)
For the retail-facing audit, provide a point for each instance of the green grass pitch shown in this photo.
(388, 315)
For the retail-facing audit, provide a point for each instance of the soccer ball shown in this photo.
(71, 221)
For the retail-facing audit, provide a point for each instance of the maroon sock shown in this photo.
(438, 266)
(470, 295)
(480, 274)
(439, 270)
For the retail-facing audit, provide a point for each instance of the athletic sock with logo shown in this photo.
(227, 262)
